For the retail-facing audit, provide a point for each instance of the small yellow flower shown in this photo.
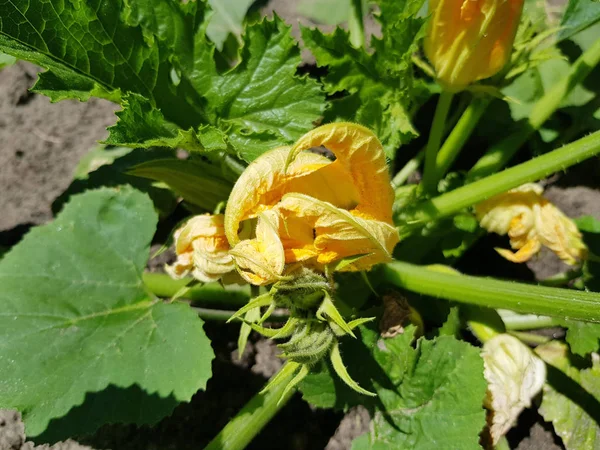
(469, 40)
(531, 221)
(202, 250)
(312, 210)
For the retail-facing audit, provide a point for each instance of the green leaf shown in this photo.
(379, 86)
(579, 15)
(423, 411)
(98, 157)
(583, 338)
(227, 18)
(452, 325)
(75, 316)
(417, 406)
(6, 60)
(141, 125)
(528, 88)
(114, 174)
(329, 12)
(197, 182)
(106, 49)
(112, 405)
(260, 103)
(571, 398)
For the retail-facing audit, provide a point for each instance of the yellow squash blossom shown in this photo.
(202, 250)
(311, 210)
(469, 40)
(531, 221)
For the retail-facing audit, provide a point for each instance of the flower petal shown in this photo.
(261, 260)
(514, 375)
(359, 153)
(560, 234)
(531, 221)
(340, 234)
(262, 185)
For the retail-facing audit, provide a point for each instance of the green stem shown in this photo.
(460, 134)
(473, 193)
(430, 178)
(224, 315)
(491, 293)
(514, 321)
(500, 154)
(244, 427)
(356, 25)
(209, 294)
(530, 338)
(409, 168)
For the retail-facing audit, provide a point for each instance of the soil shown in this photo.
(41, 146)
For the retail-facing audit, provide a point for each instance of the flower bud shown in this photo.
(202, 250)
(469, 40)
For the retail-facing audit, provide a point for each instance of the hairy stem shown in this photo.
(514, 321)
(409, 168)
(491, 293)
(460, 134)
(430, 178)
(252, 418)
(473, 193)
(210, 294)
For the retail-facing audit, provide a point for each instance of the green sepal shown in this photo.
(284, 373)
(287, 329)
(328, 309)
(251, 316)
(339, 367)
(357, 322)
(256, 302)
(302, 373)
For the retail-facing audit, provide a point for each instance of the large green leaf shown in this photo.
(417, 406)
(141, 125)
(260, 103)
(197, 182)
(75, 316)
(579, 15)
(435, 403)
(380, 88)
(227, 18)
(571, 398)
(107, 48)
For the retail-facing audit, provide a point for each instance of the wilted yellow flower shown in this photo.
(514, 375)
(312, 210)
(531, 221)
(469, 40)
(202, 249)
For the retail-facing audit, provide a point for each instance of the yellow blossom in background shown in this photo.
(202, 250)
(311, 210)
(469, 40)
(531, 221)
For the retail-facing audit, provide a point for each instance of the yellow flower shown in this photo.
(531, 221)
(311, 210)
(202, 250)
(469, 40)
